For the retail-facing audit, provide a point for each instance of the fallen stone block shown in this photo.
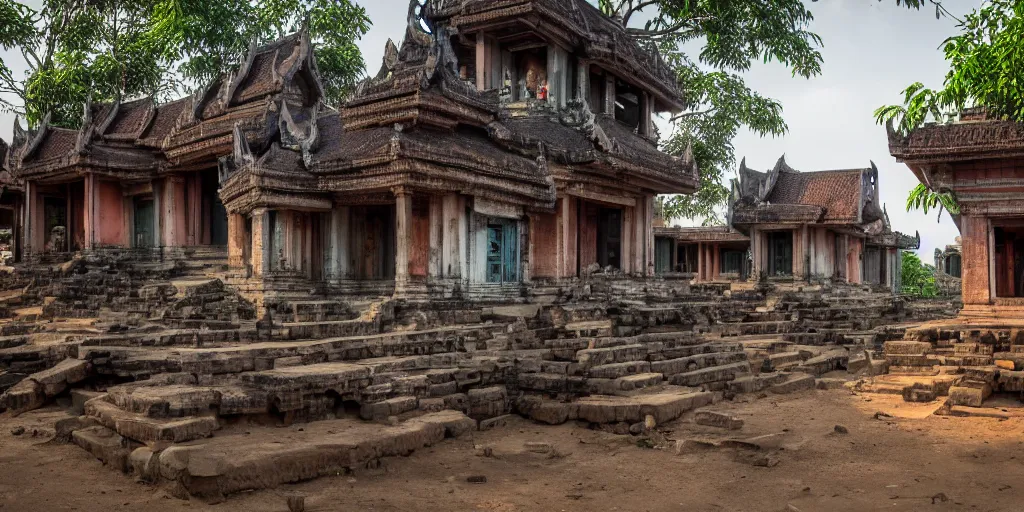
(664, 407)
(969, 396)
(104, 444)
(829, 383)
(717, 419)
(223, 465)
(496, 422)
(714, 374)
(796, 382)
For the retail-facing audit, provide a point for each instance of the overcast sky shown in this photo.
(872, 50)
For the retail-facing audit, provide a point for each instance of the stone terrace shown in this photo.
(167, 370)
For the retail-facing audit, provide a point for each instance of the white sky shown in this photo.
(872, 50)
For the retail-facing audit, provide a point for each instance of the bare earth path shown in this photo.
(911, 462)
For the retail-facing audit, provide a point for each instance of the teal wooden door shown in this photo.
(145, 213)
(780, 253)
(663, 255)
(502, 252)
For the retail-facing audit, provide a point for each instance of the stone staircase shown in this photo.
(173, 372)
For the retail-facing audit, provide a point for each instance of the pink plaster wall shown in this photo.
(110, 227)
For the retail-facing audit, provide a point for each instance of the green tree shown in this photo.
(196, 33)
(732, 35)
(129, 48)
(918, 278)
(985, 60)
(75, 48)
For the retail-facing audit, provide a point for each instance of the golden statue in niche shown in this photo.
(534, 70)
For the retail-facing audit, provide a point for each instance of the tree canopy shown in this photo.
(731, 35)
(108, 49)
(985, 60)
(918, 277)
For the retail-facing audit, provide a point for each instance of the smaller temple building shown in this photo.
(981, 161)
(12, 194)
(788, 225)
(948, 269)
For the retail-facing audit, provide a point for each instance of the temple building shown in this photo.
(793, 226)
(979, 160)
(495, 150)
(11, 210)
(948, 269)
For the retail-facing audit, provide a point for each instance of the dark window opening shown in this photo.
(609, 237)
(627, 105)
(953, 265)
(597, 93)
(734, 261)
(466, 57)
(374, 240)
(687, 258)
(874, 265)
(214, 215)
(780, 253)
(144, 222)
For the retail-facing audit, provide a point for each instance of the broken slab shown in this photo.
(664, 406)
(228, 464)
(972, 395)
(717, 419)
(795, 382)
(33, 391)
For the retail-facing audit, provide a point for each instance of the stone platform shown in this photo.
(167, 368)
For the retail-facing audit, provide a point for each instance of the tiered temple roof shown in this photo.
(844, 200)
(417, 123)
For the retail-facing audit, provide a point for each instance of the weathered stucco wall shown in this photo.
(419, 251)
(111, 224)
(544, 243)
(976, 283)
(588, 235)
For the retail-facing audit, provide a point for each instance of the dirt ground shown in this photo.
(912, 462)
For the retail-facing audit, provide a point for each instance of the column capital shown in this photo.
(401, 191)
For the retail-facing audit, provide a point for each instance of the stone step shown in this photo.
(588, 358)
(824, 363)
(755, 383)
(590, 328)
(767, 346)
(715, 374)
(180, 399)
(785, 359)
(214, 468)
(329, 329)
(617, 370)
(139, 362)
(663, 405)
(145, 429)
(747, 328)
(690, 364)
(794, 382)
(907, 348)
(675, 352)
